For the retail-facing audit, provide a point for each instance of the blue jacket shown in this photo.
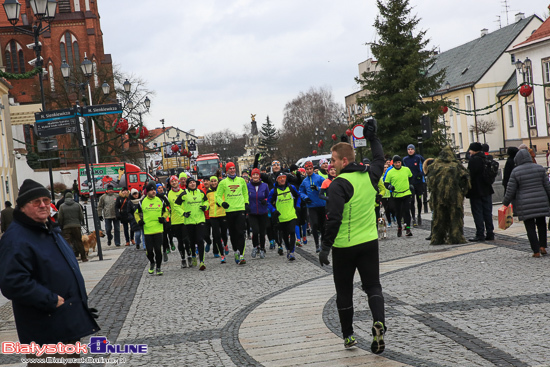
(37, 265)
(307, 192)
(257, 200)
(414, 163)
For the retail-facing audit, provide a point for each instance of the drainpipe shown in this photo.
(502, 119)
(475, 113)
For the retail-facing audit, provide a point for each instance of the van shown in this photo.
(314, 159)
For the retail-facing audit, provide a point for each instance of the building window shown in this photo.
(453, 140)
(510, 116)
(469, 103)
(69, 49)
(457, 105)
(528, 75)
(531, 116)
(15, 60)
(460, 140)
(472, 139)
(52, 79)
(450, 113)
(546, 71)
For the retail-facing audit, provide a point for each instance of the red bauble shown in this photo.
(334, 137)
(314, 152)
(348, 132)
(121, 126)
(142, 132)
(189, 155)
(175, 148)
(321, 143)
(444, 109)
(525, 90)
(184, 152)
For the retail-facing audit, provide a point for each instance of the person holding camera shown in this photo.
(309, 193)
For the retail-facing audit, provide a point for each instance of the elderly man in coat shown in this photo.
(40, 274)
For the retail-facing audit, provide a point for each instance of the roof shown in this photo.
(542, 33)
(466, 64)
(155, 133)
(509, 87)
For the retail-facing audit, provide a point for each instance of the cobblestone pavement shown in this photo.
(464, 305)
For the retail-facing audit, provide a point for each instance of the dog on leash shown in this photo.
(382, 231)
(89, 241)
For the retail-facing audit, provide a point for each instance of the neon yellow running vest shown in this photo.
(285, 205)
(358, 218)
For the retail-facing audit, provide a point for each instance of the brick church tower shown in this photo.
(75, 32)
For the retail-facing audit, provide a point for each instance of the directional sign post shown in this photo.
(57, 122)
(103, 109)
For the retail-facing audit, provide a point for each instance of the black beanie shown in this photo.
(189, 179)
(151, 186)
(396, 158)
(31, 190)
(475, 147)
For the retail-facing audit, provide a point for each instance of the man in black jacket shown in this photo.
(480, 195)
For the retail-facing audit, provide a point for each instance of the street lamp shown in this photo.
(525, 67)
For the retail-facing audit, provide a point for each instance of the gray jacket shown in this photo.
(70, 214)
(528, 187)
(106, 206)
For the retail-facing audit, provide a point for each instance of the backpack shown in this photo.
(490, 170)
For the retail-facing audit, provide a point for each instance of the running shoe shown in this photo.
(216, 255)
(399, 232)
(408, 232)
(152, 269)
(304, 240)
(272, 245)
(222, 261)
(378, 332)
(389, 224)
(237, 257)
(202, 267)
(226, 248)
(173, 247)
(183, 263)
(207, 248)
(159, 272)
(165, 256)
(318, 249)
(414, 223)
(350, 341)
(280, 250)
(194, 261)
(291, 257)
(419, 220)
(189, 261)
(168, 250)
(262, 254)
(242, 261)
(298, 243)
(254, 252)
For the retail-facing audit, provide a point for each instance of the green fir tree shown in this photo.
(268, 142)
(396, 93)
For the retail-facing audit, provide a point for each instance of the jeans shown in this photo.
(482, 211)
(363, 258)
(109, 224)
(125, 226)
(139, 238)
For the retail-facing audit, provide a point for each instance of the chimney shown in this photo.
(519, 16)
(484, 32)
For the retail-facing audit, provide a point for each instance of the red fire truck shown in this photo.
(118, 174)
(207, 165)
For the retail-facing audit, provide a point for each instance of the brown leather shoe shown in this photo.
(543, 251)
(85, 260)
(536, 254)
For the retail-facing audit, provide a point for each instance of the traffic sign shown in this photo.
(103, 109)
(54, 115)
(358, 132)
(46, 145)
(56, 127)
(359, 142)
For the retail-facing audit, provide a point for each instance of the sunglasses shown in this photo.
(275, 163)
(37, 202)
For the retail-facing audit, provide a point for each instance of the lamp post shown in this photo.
(84, 137)
(525, 67)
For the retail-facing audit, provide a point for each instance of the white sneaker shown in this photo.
(254, 252)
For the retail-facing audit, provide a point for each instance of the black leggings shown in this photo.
(206, 232)
(418, 191)
(236, 225)
(364, 258)
(195, 232)
(317, 221)
(536, 241)
(219, 234)
(153, 244)
(288, 233)
(180, 233)
(259, 226)
(402, 210)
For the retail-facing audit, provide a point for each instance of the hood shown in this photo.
(355, 167)
(447, 154)
(511, 152)
(523, 157)
(69, 201)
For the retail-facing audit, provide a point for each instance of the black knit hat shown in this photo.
(475, 147)
(31, 190)
(396, 158)
(189, 179)
(151, 186)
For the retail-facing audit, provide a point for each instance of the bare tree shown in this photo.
(225, 142)
(484, 127)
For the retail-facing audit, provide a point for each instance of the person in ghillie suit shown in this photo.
(448, 181)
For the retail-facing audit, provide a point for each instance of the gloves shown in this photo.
(314, 188)
(162, 220)
(276, 214)
(389, 186)
(141, 223)
(323, 257)
(94, 312)
(203, 208)
(187, 214)
(246, 208)
(179, 200)
(378, 199)
(101, 218)
(370, 128)
(263, 202)
(225, 205)
(308, 201)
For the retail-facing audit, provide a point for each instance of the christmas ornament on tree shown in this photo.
(121, 126)
(142, 132)
(444, 109)
(314, 152)
(334, 137)
(184, 152)
(175, 148)
(321, 143)
(348, 132)
(525, 90)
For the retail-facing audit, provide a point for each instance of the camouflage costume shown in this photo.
(448, 181)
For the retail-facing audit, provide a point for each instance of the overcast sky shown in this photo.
(214, 62)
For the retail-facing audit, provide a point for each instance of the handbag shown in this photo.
(505, 217)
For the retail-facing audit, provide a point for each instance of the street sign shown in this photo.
(104, 109)
(358, 132)
(359, 142)
(54, 115)
(56, 127)
(46, 145)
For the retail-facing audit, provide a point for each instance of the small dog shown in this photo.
(89, 241)
(382, 232)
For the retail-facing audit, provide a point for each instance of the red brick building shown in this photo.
(74, 32)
